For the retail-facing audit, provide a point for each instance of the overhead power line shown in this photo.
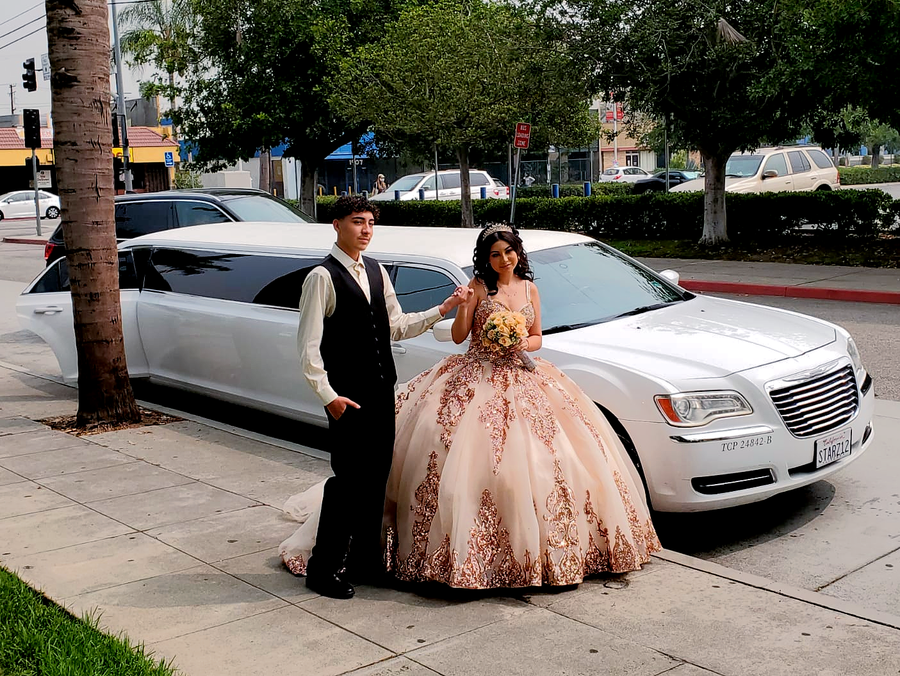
(37, 30)
(14, 30)
(5, 21)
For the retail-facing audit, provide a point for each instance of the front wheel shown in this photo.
(53, 212)
(1, 215)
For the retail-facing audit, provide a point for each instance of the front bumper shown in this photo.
(737, 460)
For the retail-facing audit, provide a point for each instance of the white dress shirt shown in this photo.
(318, 301)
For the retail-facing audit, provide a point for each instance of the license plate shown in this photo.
(832, 448)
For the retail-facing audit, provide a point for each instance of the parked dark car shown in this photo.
(657, 182)
(142, 214)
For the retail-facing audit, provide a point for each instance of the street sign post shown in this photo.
(45, 66)
(520, 141)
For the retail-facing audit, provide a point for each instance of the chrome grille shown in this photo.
(819, 405)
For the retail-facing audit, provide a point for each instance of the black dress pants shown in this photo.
(362, 446)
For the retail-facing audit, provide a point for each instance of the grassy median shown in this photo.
(39, 638)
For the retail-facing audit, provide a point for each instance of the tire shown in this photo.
(1, 215)
(821, 188)
(52, 212)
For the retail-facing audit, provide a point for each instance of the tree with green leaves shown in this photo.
(706, 69)
(459, 75)
(261, 78)
(159, 33)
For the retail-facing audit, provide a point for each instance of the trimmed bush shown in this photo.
(575, 190)
(864, 175)
(660, 216)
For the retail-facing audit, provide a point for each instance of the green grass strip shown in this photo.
(39, 638)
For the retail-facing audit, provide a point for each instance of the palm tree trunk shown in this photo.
(172, 105)
(78, 37)
(265, 170)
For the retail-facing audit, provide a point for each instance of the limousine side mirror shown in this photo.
(770, 173)
(671, 276)
(443, 331)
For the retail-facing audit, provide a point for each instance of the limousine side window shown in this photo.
(245, 278)
(56, 278)
(134, 219)
(419, 289)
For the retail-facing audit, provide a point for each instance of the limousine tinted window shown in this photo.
(56, 278)
(419, 289)
(246, 278)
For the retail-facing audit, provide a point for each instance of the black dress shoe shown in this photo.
(331, 586)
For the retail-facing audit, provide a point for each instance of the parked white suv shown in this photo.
(718, 402)
(448, 186)
(791, 169)
(624, 175)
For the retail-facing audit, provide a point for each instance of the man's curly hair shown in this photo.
(353, 204)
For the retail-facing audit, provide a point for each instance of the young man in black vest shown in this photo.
(349, 314)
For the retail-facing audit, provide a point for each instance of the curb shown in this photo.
(24, 240)
(811, 292)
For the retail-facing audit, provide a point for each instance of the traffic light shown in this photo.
(115, 130)
(29, 79)
(37, 164)
(31, 118)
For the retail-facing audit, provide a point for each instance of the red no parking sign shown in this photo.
(523, 133)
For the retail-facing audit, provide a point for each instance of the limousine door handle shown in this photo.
(397, 348)
(47, 310)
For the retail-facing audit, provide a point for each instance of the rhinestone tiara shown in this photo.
(499, 227)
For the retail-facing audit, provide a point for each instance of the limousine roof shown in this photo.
(450, 244)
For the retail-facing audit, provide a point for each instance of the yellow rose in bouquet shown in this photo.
(504, 331)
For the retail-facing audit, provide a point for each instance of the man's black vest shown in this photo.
(356, 339)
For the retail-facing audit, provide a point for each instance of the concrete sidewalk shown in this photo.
(825, 282)
(171, 533)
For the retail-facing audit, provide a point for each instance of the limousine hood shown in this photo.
(700, 338)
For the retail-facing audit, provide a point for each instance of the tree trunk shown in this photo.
(309, 181)
(465, 183)
(876, 156)
(714, 223)
(265, 170)
(78, 38)
(172, 105)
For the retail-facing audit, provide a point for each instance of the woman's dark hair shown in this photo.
(482, 269)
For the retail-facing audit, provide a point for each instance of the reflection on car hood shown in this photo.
(701, 338)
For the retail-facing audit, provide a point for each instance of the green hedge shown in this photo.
(864, 175)
(576, 190)
(751, 217)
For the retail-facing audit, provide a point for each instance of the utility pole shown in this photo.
(12, 99)
(120, 100)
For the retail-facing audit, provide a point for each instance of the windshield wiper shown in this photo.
(734, 176)
(645, 308)
(569, 327)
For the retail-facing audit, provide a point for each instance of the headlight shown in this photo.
(853, 351)
(693, 409)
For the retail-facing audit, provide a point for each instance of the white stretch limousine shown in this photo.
(718, 402)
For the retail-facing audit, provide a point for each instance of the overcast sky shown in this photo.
(13, 28)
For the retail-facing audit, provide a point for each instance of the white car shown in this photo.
(20, 204)
(624, 175)
(790, 169)
(448, 186)
(718, 402)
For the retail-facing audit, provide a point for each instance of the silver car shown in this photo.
(449, 188)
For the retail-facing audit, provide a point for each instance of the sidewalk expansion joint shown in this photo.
(814, 598)
(857, 569)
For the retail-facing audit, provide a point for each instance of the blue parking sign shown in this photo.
(170, 159)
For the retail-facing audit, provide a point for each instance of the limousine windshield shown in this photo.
(589, 283)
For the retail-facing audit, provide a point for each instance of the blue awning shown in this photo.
(345, 152)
